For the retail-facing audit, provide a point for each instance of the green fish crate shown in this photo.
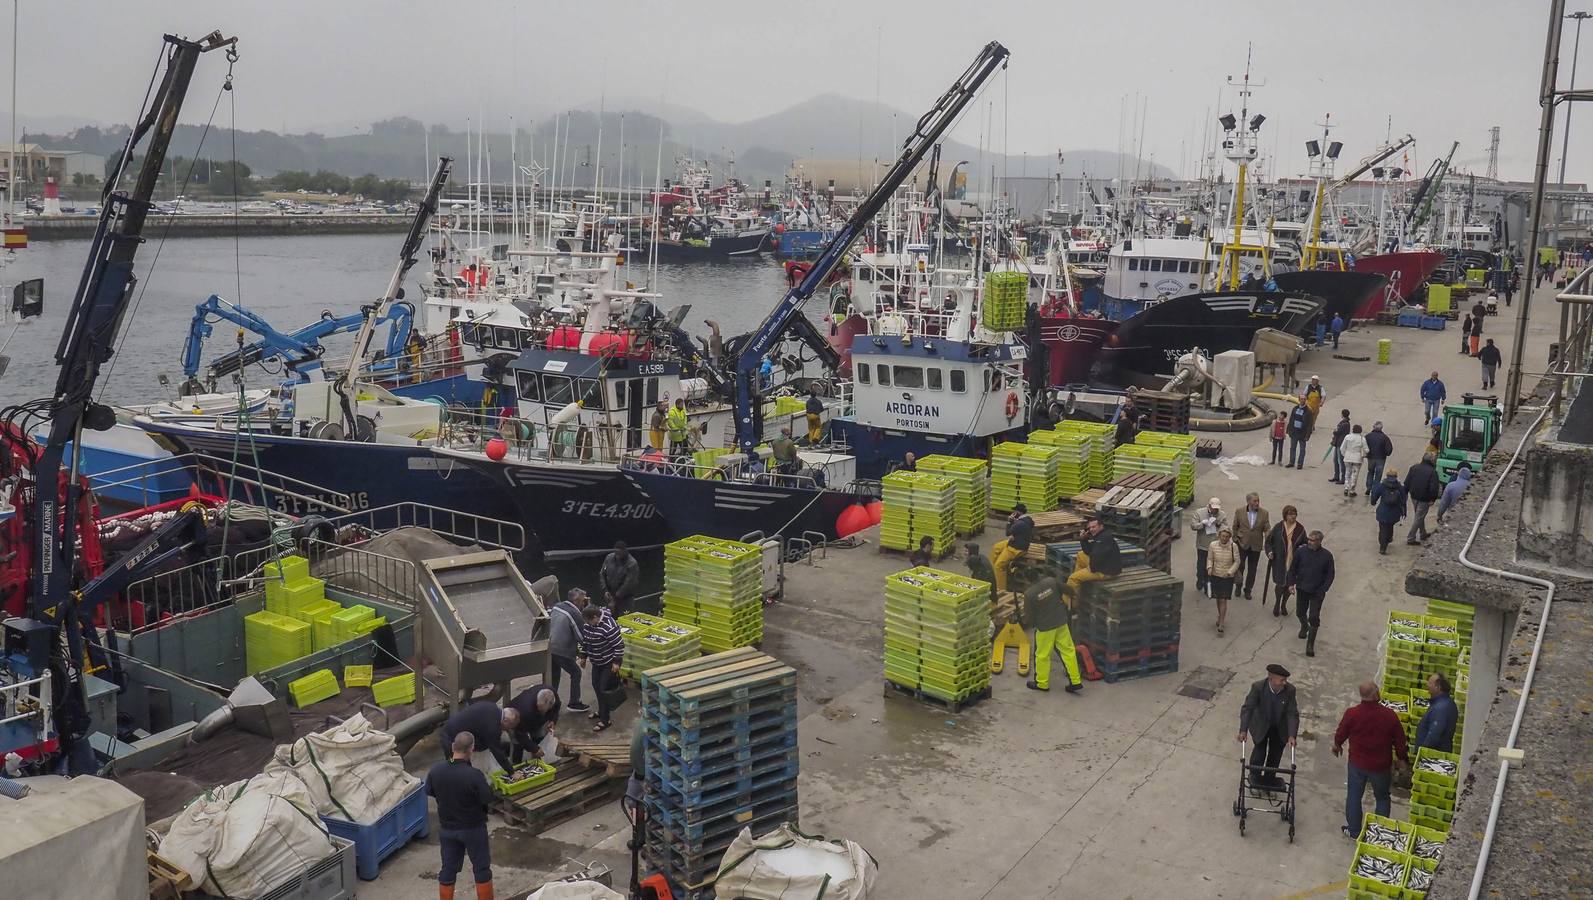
(527, 775)
(1377, 871)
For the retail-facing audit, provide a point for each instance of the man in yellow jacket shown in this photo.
(677, 428)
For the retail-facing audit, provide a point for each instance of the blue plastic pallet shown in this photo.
(382, 838)
(696, 824)
(719, 727)
(699, 791)
(706, 762)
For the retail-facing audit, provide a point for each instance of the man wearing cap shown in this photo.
(1270, 717)
(1020, 534)
(1313, 397)
(1205, 523)
(1052, 634)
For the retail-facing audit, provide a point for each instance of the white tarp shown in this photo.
(248, 837)
(352, 771)
(73, 837)
(575, 890)
(788, 865)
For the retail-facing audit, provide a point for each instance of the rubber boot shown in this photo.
(1310, 643)
(1303, 629)
(445, 892)
(484, 891)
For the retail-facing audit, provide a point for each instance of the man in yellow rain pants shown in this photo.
(1008, 630)
(1098, 559)
(1052, 634)
(815, 410)
(1020, 533)
(677, 423)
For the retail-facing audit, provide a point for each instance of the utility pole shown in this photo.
(1547, 98)
(1493, 153)
(1576, 46)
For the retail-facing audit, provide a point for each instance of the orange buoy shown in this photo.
(497, 449)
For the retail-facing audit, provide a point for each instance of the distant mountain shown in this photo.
(825, 127)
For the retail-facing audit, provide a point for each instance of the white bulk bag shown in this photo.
(786, 864)
(575, 890)
(244, 839)
(353, 771)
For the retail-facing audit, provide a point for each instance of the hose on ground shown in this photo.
(1259, 417)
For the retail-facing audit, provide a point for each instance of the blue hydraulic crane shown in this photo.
(300, 352)
(786, 319)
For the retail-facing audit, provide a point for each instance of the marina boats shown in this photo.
(695, 221)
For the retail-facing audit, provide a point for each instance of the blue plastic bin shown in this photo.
(1410, 318)
(382, 838)
(1434, 323)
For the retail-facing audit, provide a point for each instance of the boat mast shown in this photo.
(1239, 145)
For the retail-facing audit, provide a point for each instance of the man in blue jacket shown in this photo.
(1437, 727)
(1433, 396)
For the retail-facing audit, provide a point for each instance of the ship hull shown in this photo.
(1406, 270)
(737, 509)
(747, 244)
(1345, 294)
(1151, 342)
(1072, 345)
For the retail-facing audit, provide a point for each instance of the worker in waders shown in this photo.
(677, 428)
(658, 425)
(1052, 634)
(815, 410)
(1020, 534)
(1098, 558)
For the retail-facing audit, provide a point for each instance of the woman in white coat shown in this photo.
(1353, 447)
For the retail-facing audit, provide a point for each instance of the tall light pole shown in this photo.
(1576, 45)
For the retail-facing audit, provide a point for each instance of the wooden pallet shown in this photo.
(611, 754)
(166, 881)
(1208, 448)
(951, 706)
(1056, 525)
(575, 790)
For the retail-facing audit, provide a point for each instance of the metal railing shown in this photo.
(364, 573)
(194, 588)
(461, 526)
(575, 443)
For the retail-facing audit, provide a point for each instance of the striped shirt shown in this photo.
(601, 641)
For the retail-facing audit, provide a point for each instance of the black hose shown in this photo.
(1259, 417)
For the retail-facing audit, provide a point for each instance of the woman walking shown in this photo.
(1353, 448)
(1222, 564)
(1389, 498)
(1465, 335)
(1286, 537)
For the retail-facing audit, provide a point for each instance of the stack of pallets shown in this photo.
(1184, 488)
(1073, 458)
(1062, 554)
(1148, 481)
(1103, 438)
(1132, 459)
(969, 478)
(1141, 517)
(1131, 623)
(1166, 412)
(1025, 473)
(720, 736)
(716, 585)
(1057, 525)
(937, 636)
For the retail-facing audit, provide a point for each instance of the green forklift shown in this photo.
(1471, 428)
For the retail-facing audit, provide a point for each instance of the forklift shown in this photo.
(1470, 429)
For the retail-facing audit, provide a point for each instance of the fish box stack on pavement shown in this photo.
(934, 511)
(1403, 666)
(1005, 304)
(896, 513)
(716, 585)
(651, 642)
(1184, 486)
(1135, 458)
(1024, 473)
(720, 736)
(1131, 623)
(1073, 459)
(1141, 517)
(1103, 438)
(1434, 779)
(1385, 349)
(937, 636)
(970, 479)
(1381, 863)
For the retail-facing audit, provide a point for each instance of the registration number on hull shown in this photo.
(608, 510)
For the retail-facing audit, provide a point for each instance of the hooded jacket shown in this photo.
(1422, 483)
(1389, 497)
(1455, 490)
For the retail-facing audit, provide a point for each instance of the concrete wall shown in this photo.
(1557, 505)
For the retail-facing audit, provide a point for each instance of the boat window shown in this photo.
(620, 393)
(468, 334)
(908, 376)
(1133, 265)
(506, 338)
(986, 373)
(959, 381)
(933, 377)
(885, 375)
(485, 337)
(1155, 265)
(652, 392)
(864, 273)
(526, 382)
(862, 373)
(557, 390)
(1183, 265)
(528, 339)
(591, 393)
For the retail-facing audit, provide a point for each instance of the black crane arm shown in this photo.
(929, 129)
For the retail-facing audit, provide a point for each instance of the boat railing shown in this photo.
(32, 697)
(573, 442)
(237, 480)
(365, 573)
(151, 602)
(449, 523)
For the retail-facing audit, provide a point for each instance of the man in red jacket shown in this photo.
(1376, 737)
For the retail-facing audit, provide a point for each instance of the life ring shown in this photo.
(1012, 405)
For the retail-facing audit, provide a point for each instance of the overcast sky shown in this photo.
(1443, 70)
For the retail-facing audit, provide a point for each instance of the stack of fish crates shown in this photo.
(969, 477)
(1184, 489)
(1103, 440)
(1404, 669)
(934, 511)
(1131, 623)
(1073, 458)
(937, 636)
(1382, 862)
(1005, 303)
(271, 640)
(720, 737)
(1024, 473)
(1434, 780)
(1464, 615)
(896, 512)
(1442, 653)
(651, 642)
(716, 585)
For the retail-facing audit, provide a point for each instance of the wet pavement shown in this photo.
(1123, 791)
